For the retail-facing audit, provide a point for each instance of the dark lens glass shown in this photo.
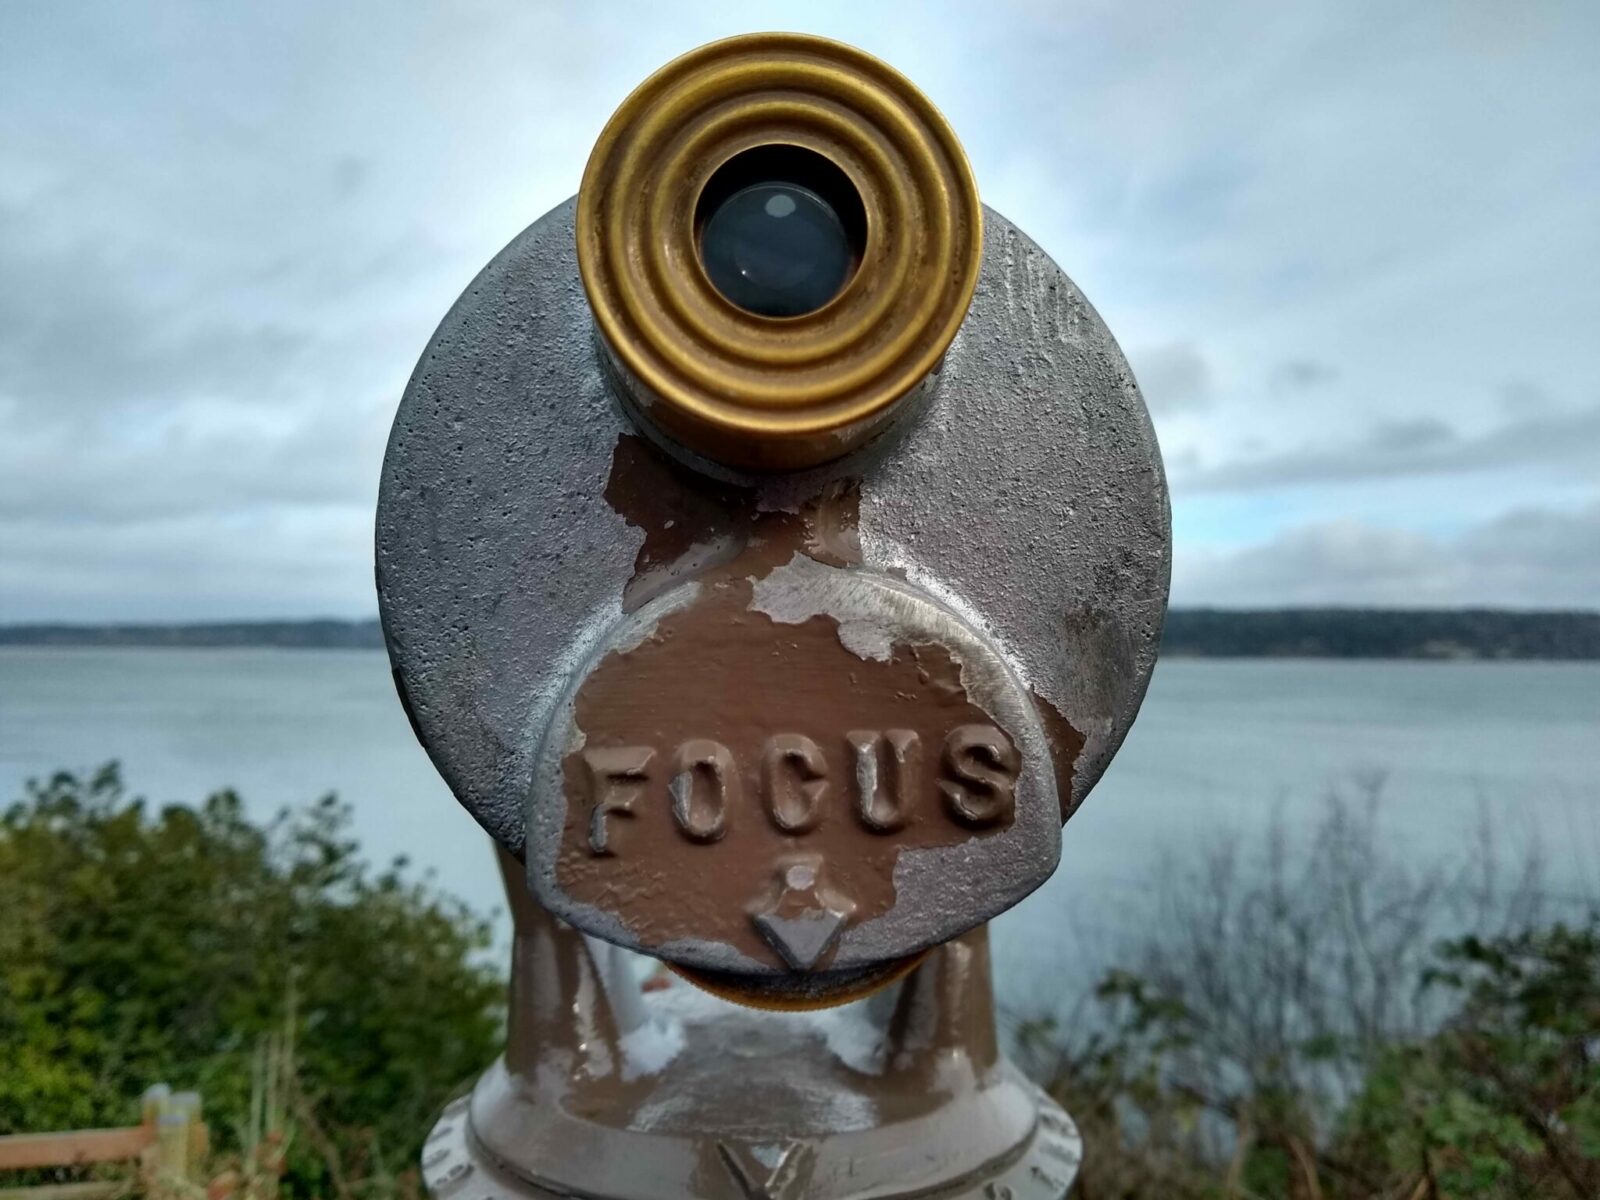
(777, 249)
(781, 230)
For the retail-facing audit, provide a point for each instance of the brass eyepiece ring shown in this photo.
(776, 392)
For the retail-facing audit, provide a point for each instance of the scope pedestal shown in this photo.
(609, 1090)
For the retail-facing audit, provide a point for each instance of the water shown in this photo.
(1219, 747)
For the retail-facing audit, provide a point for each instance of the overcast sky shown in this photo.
(1352, 251)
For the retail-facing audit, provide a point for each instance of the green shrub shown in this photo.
(1300, 1024)
(140, 944)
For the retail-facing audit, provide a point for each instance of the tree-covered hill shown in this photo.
(1381, 633)
(1190, 632)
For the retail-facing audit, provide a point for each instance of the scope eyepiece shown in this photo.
(779, 236)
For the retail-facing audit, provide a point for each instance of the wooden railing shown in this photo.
(168, 1147)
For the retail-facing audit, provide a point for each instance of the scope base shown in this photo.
(607, 1091)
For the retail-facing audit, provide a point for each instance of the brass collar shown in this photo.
(761, 392)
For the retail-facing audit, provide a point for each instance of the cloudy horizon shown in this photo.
(1351, 251)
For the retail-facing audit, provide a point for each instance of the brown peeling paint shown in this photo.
(718, 674)
(690, 522)
(693, 523)
(717, 671)
(1066, 743)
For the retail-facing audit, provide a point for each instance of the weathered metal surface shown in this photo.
(1025, 495)
(605, 1090)
(920, 781)
(541, 567)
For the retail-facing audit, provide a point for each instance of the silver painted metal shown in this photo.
(1025, 494)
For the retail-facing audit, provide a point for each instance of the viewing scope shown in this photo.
(773, 550)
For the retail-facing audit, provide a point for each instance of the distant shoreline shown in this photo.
(1351, 633)
(322, 634)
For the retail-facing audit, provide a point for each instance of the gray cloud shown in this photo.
(1297, 374)
(85, 332)
(297, 562)
(1173, 377)
(1528, 558)
(226, 234)
(1521, 397)
(200, 462)
(1420, 446)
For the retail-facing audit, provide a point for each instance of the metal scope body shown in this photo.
(773, 550)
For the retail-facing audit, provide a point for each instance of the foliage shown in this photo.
(140, 944)
(1505, 1099)
(1299, 1022)
(1298, 1028)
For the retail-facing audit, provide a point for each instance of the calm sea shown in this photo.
(1220, 747)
